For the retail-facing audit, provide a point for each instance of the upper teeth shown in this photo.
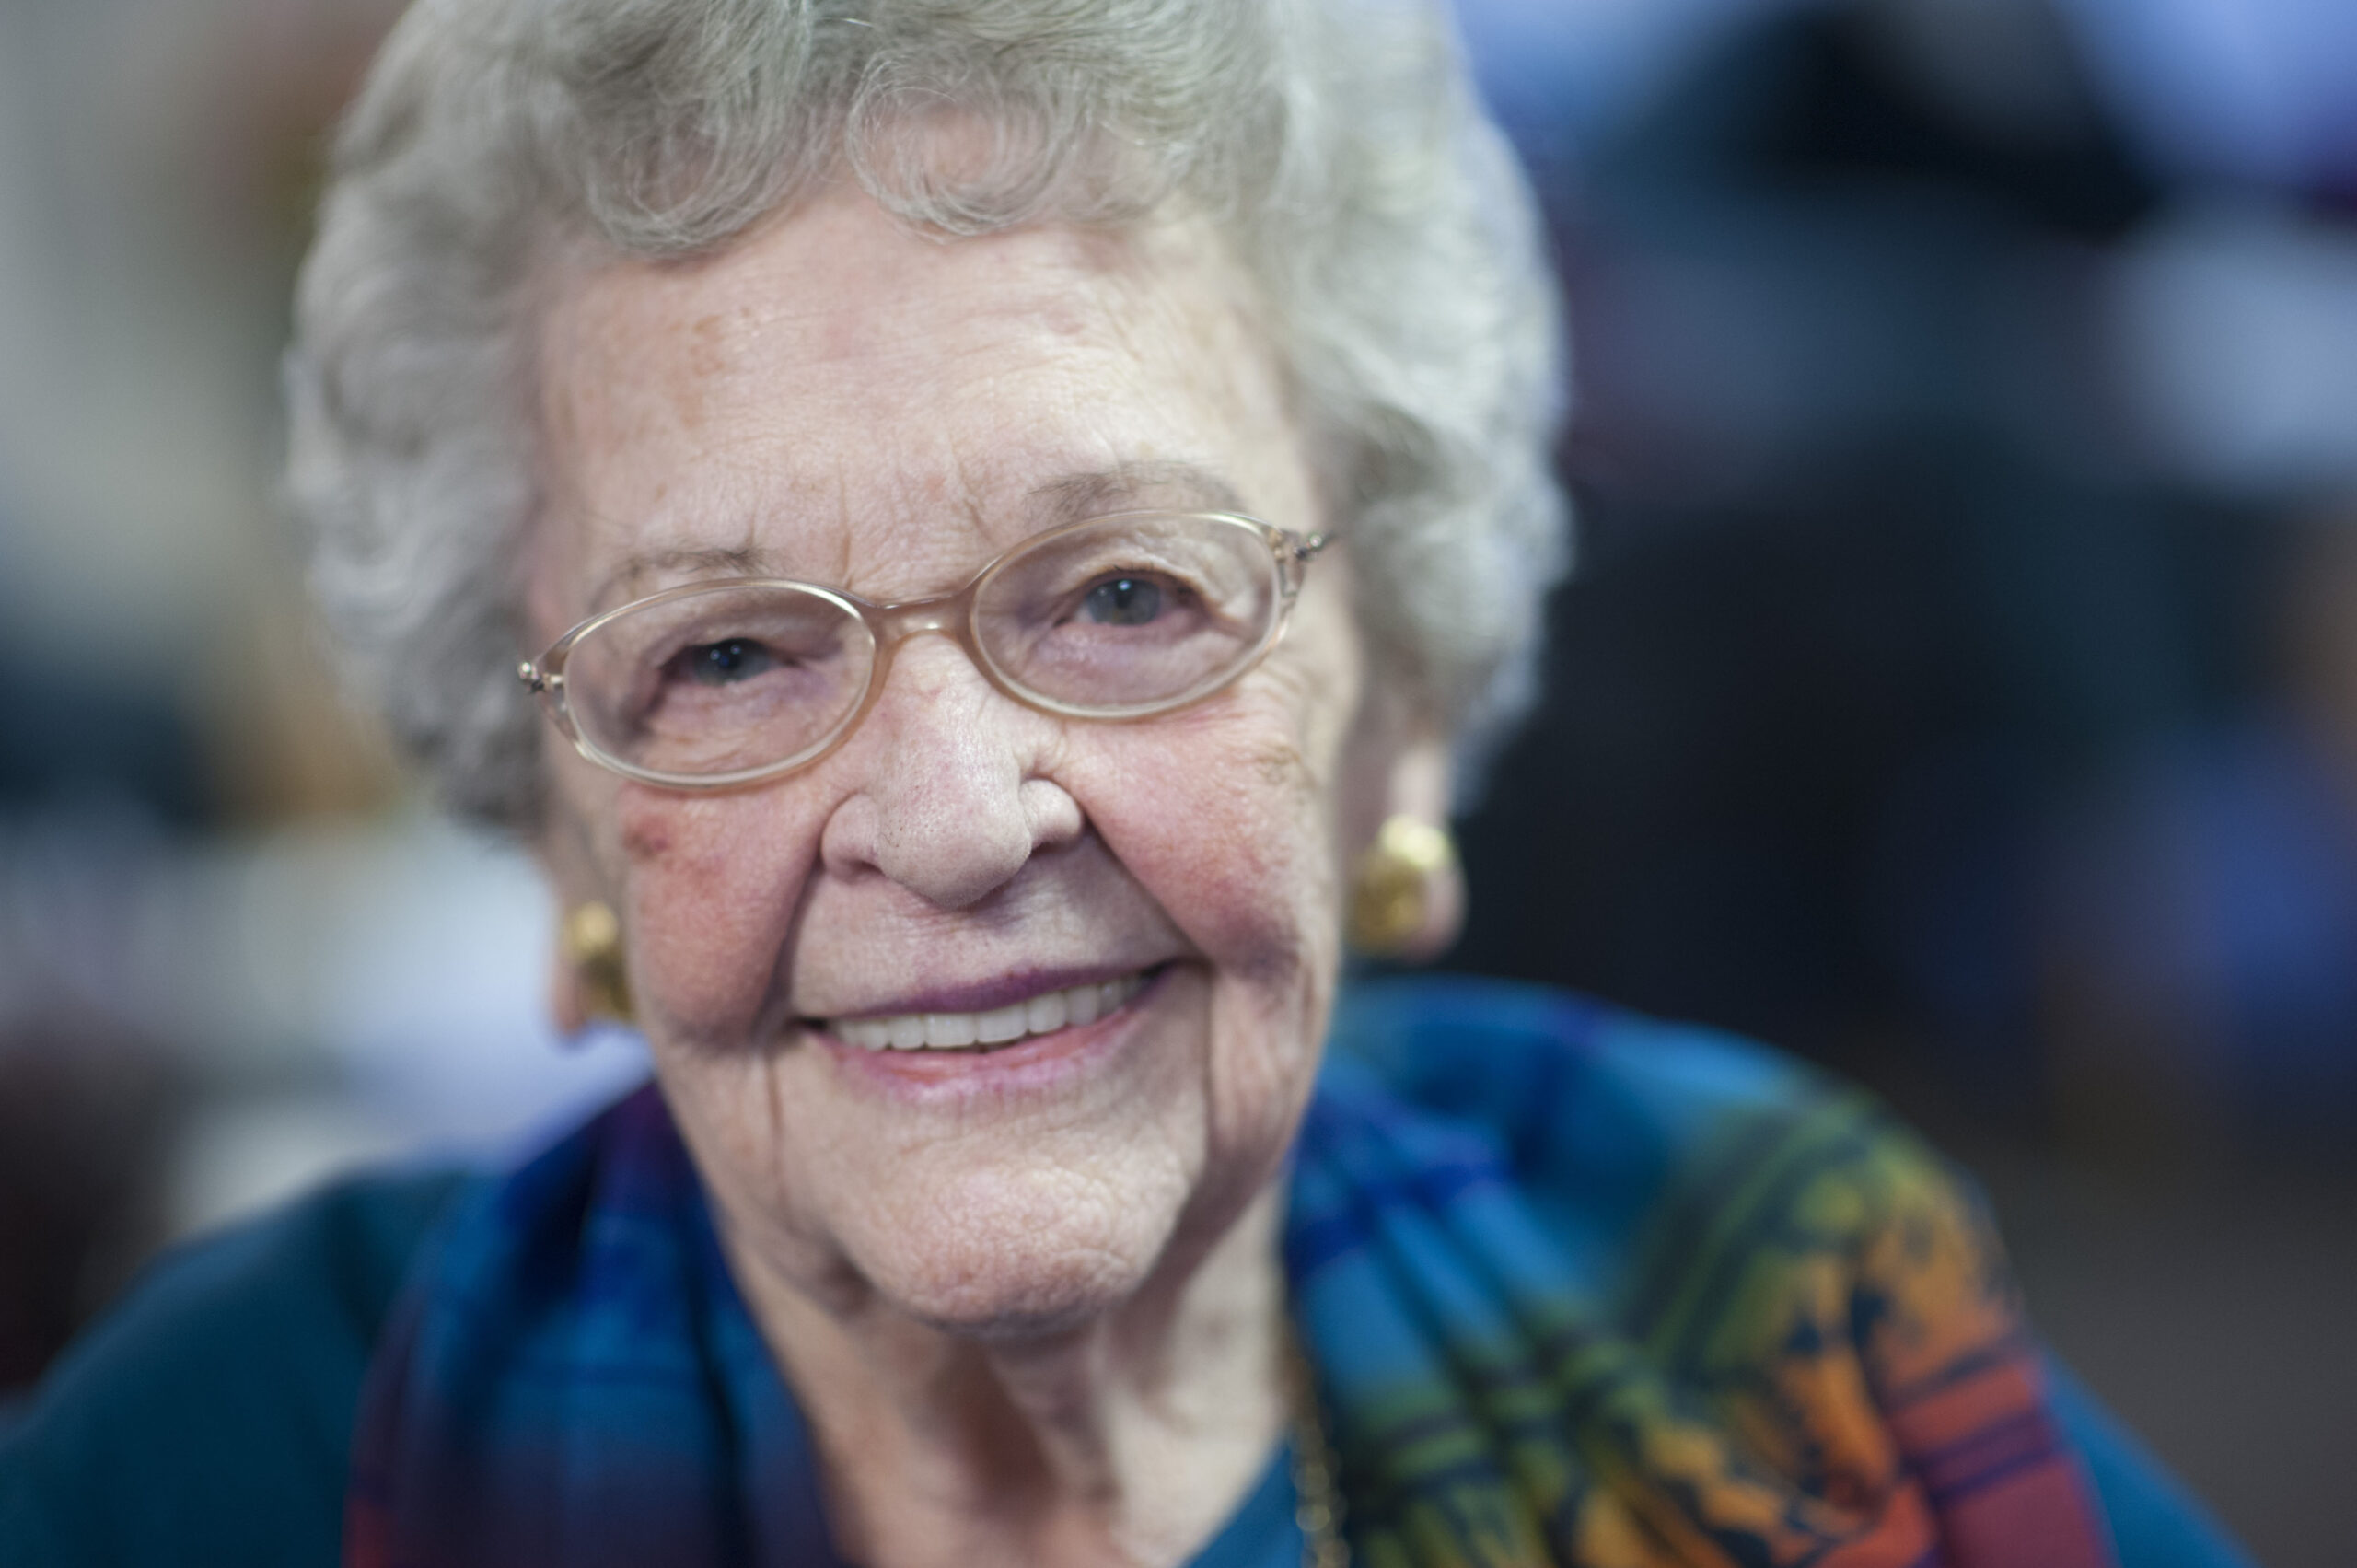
(948, 1031)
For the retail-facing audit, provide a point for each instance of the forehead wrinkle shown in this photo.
(842, 517)
(895, 547)
(972, 490)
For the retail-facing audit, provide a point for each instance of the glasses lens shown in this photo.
(1130, 614)
(719, 680)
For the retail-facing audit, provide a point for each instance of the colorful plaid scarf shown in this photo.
(1579, 1288)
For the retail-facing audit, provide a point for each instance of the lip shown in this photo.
(983, 996)
(1036, 1063)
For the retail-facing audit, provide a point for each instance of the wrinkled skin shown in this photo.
(1032, 1314)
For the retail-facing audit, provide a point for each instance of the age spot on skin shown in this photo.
(645, 837)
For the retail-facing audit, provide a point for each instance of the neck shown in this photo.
(1127, 1440)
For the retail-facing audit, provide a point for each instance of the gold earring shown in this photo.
(1392, 888)
(591, 943)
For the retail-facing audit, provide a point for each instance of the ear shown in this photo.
(568, 994)
(1417, 786)
(566, 864)
(1398, 765)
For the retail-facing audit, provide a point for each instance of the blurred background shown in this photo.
(1960, 686)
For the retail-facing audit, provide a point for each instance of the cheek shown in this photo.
(712, 886)
(1226, 812)
(1223, 814)
(1228, 825)
(1223, 820)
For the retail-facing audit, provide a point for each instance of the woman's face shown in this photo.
(838, 400)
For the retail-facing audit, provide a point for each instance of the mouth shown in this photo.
(995, 1028)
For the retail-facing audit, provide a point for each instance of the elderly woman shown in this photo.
(963, 533)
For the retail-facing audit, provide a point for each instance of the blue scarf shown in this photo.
(1577, 1288)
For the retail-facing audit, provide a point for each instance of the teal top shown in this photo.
(208, 1419)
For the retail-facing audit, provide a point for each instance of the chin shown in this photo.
(1013, 1255)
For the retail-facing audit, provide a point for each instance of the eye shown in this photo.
(724, 663)
(1122, 601)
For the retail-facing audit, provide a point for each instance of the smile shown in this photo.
(1043, 1013)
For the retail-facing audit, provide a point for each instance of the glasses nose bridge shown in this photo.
(947, 615)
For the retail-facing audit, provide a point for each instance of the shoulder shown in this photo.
(1584, 1099)
(1674, 1150)
(207, 1419)
(1501, 1050)
(1772, 1236)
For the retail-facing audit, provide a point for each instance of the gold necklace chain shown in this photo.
(1318, 1506)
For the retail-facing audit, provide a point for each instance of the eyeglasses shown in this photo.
(723, 683)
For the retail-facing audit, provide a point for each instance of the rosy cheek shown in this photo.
(655, 832)
(712, 890)
(1219, 821)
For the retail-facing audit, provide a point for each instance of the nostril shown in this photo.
(1050, 813)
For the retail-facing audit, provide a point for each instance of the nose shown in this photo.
(951, 800)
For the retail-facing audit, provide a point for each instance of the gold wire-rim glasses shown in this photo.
(952, 615)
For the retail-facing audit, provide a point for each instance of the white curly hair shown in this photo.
(1337, 144)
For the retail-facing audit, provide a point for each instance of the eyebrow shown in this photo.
(706, 562)
(1069, 498)
(1191, 486)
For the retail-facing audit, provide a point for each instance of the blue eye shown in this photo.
(724, 664)
(1122, 601)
